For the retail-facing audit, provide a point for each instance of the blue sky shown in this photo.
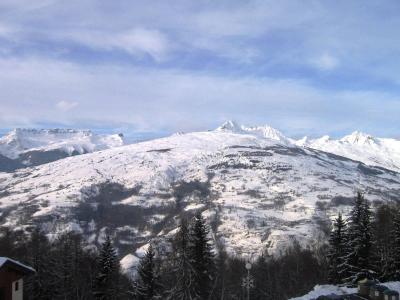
(304, 67)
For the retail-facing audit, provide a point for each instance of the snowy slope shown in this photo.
(36, 146)
(383, 152)
(257, 192)
(324, 290)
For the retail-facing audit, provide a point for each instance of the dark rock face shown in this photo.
(32, 158)
(9, 165)
(35, 158)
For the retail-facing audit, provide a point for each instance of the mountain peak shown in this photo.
(265, 131)
(230, 126)
(303, 141)
(324, 138)
(358, 137)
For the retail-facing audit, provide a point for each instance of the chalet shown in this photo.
(367, 290)
(376, 292)
(365, 286)
(12, 273)
(391, 295)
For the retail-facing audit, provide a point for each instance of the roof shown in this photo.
(380, 288)
(367, 282)
(5, 261)
(330, 297)
(354, 297)
(391, 293)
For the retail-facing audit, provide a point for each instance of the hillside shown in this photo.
(258, 193)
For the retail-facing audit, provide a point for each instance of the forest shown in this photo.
(191, 265)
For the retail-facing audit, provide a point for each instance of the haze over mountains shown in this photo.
(257, 188)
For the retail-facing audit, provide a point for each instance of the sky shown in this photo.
(158, 67)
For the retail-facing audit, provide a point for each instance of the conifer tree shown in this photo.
(147, 285)
(42, 285)
(202, 256)
(382, 252)
(337, 244)
(396, 245)
(184, 274)
(221, 269)
(106, 282)
(358, 248)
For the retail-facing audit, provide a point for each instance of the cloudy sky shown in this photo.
(304, 67)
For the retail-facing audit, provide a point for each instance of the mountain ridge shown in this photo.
(30, 147)
(256, 193)
(383, 152)
(375, 151)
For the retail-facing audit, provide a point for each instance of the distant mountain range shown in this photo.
(31, 147)
(258, 189)
(383, 152)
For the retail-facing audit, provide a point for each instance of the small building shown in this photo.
(364, 287)
(331, 297)
(376, 292)
(12, 273)
(391, 295)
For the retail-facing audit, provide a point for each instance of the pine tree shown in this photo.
(202, 257)
(42, 285)
(383, 243)
(7, 242)
(106, 282)
(147, 285)
(72, 283)
(337, 252)
(221, 270)
(358, 248)
(184, 282)
(396, 245)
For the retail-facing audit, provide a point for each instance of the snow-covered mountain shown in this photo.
(29, 147)
(257, 190)
(259, 131)
(383, 152)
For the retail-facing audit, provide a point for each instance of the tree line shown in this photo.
(190, 265)
(366, 244)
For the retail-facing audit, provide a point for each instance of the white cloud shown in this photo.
(8, 31)
(66, 105)
(284, 33)
(136, 41)
(326, 62)
(139, 40)
(175, 100)
(269, 38)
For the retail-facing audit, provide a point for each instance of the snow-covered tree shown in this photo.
(202, 256)
(382, 252)
(106, 282)
(337, 247)
(147, 284)
(43, 284)
(357, 262)
(184, 273)
(395, 253)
